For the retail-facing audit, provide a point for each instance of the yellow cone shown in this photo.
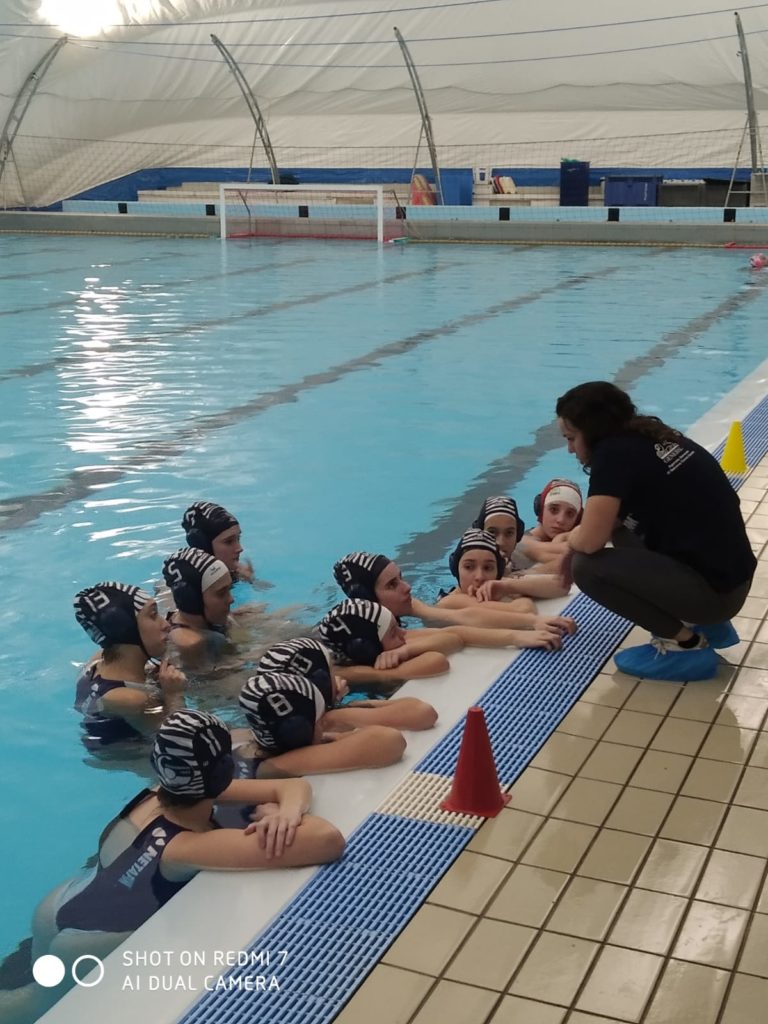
(734, 460)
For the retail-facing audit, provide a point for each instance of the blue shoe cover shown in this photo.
(657, 660)
(719, 636)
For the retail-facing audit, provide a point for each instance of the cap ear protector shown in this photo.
(502, 505)
(185, 572)
(192, 754)
(539, 500)
(472, 540)
(197, 539)
(353, 630)
(203, 521)
(282, 710)
(358, 572)
(108, 613)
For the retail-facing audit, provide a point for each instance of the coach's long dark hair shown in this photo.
(599, 409)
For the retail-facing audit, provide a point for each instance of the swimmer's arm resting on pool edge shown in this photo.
(285, 836)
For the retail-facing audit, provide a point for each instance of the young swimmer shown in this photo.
(201, 588)
(212, 528)
(161, 839)
(113, 693)
(499, 517)
(311, 659)
(558, 509)
(368, 640)
(478, 566)
(285, 714)
(377, 578)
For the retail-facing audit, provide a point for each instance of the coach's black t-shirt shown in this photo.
(675, 496)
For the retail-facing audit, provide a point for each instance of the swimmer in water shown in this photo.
(201, 587)
(213, 529)
(558, 509)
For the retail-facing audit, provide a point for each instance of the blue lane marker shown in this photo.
(337, 928)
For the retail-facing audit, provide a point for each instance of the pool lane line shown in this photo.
(20, 510)
(22, 274)
(32, 369)
(510, 469)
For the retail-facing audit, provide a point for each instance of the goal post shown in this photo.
(307, 211)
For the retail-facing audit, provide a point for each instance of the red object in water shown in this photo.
(475, 788)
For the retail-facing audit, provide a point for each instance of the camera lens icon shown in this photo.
(49, 970)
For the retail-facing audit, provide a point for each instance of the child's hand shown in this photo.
(244, 570)
(537, 638)
(491, 590)
(169, 678)
(391, 659)
(559, 624)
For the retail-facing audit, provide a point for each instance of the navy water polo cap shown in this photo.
(192, 754)
(302, 657)
(189, 572)
(500, 505)
(107, 612)
(474, 540)
(355, 629)
(282, 710)
(203, 522)
(357, 573)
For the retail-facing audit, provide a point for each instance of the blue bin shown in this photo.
(574, 183)
(632, 189)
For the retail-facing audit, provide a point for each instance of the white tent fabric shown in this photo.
(507, 83)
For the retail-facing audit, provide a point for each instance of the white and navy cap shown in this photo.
(282, 710)
(355, 629)
(192, 754)
(203, 522)
(357, 573)
(107, 612)
(476, 540)
(302, 656)
(189, 572)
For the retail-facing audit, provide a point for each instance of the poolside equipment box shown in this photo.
(574, 183)
(632, 189)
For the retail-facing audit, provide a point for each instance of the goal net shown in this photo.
(307, 211)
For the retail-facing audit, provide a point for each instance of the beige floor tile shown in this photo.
(759, 755)
(636, 635)
(762, 903)
(712, 780)
(745, 712)
(728, 744)
(620, 983)
(615, 856)
(679, 736)
(491, 954)
(559, 845)
(522, 1011)
(757, 657)
(746, 1001)
(554, 969)
(648, 921)
(451, 1003)
(587, 719)
(611, 762)
(537, 790)
(699, 702)
(633, 728)
(429, 940)
(745, 831)
(662, 771)
(754, 957)
(753, 608)
(652, 697)
(506, 834)
(672, 867)
(688, 994)
(752, 679)
(753, 790)
(711, 934)
(563, 753)
(470, 882)
(640, 810)
(748, 629)
(587, 801)
(610, 690)
(735, 655)
(528, 895)
(759, 586)
(589, 1018)
(693, 821)
(587, 908)
(732, 879)
(387, 996)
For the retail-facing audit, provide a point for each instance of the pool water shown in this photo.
(335, 396)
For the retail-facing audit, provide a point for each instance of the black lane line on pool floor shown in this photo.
(199, 326)
(20, 510)
(32, 369)
(510, 469)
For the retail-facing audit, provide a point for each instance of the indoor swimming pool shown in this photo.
(335, 396)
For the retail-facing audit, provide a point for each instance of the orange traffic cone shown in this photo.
(475, 788)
